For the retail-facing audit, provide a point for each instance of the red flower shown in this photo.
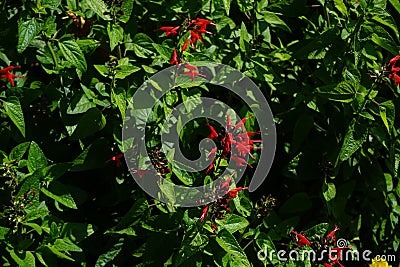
(204, 213)
(394, 70)
(140, 172)
(226, 184)
(5, 74)
(214, 227)
(213, 133)
(185, 45)
(191, 73)
(302, 240)
(233, 193)
(327, 265)
(210, 167)
(170, 30)
(331, 235)
(395, 78)
(117, 160)
(212, 153)
(174, 59)
(394, 60)
(240, 162)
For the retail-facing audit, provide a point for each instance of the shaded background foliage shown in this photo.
(322, 65)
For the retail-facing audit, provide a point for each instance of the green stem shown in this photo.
(53, 55)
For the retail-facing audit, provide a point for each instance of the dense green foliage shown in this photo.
(68, 198)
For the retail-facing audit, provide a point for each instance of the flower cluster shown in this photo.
(325, 242)
(234, 139)
(394, 70)
(195, 27)
(219, 208)
(6, 74)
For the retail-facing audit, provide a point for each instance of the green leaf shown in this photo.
(273, 20)
(55, 171)
(395, 4)
(244, 37)
(227, 6)
(14, 111)
(103, 70)
(317, 230)
(110, 254)
(386, 42)
(193, 241)
(355, 137)
(115, 33)
(244, 5)
(164, 51)
(142, 45)
(384, 18)
(127, 9)
(19, 151)
(24, 259)
(36, 158)
(51, 3)
(329, 191)
(3, 232)
(87, 45)
(228, 242)
(91, 122)
(80, 104)
(73, 53)
(93, 156)
(341, 7)
(27, 31)
(118, 98)
(124, 71)
(61, 194)
(387, 113)
(64, 245)
(99, 7)
(233, 223)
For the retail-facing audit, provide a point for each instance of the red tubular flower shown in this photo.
(6, 74)
(226, 184)
(194, 37)
(213, 133)
(394, 75)
(302, 240)
(174, 59)
(214, 227)
(212, 153)
(210, 167)
(394, 60)
(185, 45)
(141, 172)
(228, 123)
(331, 235)
(233, 193)
(327, 265)
(191, 73)
(240, 162)
(170, 30)
(117, 159)
(228, 142)
(204, 213)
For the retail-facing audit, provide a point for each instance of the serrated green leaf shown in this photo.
(110, 254)
(60, 193)
(387, 113)
(18, 152)
(36, 158)
(100, 8)
(24, 259)
(115, 34)
(272, 19)
(73, 53)
(228, 242)
(14, 112)
(27, 31)
(355, 137)
(124, 71)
